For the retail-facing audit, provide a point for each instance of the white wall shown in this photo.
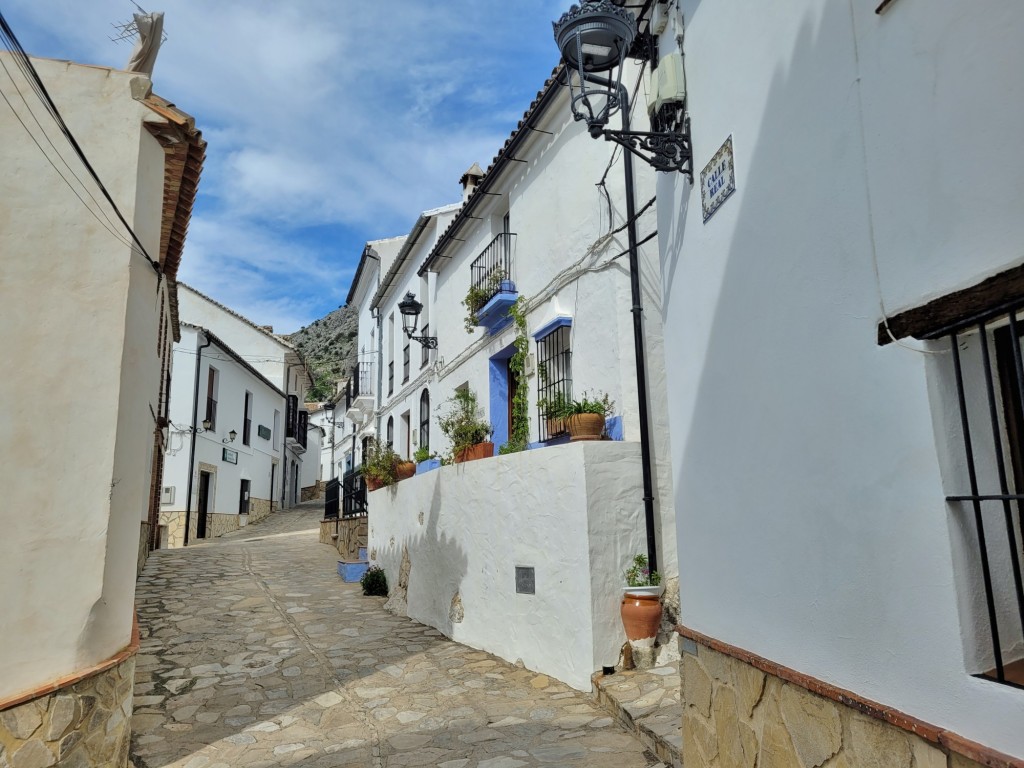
(812, 523)
(80, 318)
(254, 461)
(571, 512)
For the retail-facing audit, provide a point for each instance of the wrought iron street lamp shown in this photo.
(231, 436)
(410, 309)
(594, 37)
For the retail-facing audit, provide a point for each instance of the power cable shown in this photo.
(21, 57)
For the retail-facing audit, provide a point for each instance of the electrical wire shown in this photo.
(28, 69)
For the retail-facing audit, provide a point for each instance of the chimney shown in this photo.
(469, 181)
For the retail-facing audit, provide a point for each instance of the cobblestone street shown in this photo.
(255, 653)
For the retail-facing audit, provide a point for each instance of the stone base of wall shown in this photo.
(217, 524)
(352, 534)
(172, 529)
(327, 528)
(86, 725)
(145, 531)
(310, 492)
(258, 509)
(738, 715)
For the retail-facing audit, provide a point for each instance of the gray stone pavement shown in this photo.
(254, 653)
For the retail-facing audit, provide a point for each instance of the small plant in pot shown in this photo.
(380, 465)
(641, 603)
(463, 424)
(585, 418)
(554, 410)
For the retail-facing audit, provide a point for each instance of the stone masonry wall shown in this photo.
(310, 492)
(86, 725)
(736, 716)
(219, 524)
(352, 535)
(258, 509)
(144, 539)
(174, 522)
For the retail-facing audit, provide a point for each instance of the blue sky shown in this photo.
(329, 122)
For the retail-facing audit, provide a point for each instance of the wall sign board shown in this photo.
(717, 180)
(263, 432)
(230, 456)
(526, 583)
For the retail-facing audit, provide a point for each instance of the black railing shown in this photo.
(425, 350)
(353, 494)
(391, 377)
(491, 268)
(291, 417)
(989, 375)
(332, 497)
(362, 380)
(211, 413)
(303, 429)
(405, 362)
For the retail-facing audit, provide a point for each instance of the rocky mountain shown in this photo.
(329, 346)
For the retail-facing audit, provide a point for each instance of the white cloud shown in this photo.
(344, 116)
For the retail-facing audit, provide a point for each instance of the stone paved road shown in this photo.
(254, 653)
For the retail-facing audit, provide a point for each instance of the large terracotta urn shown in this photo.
(474, 452)
(373, 484)
(405, 469)
(641, 617)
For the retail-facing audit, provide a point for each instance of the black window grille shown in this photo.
(405, 362)
(425, 350)
(987, 364)
(291, 416)
(554, 381)
(425, 419)
(391, 377)
(247, 419)
(211, 413)
(391, 431)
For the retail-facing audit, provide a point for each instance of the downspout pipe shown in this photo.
(638, 331)
(192, 447)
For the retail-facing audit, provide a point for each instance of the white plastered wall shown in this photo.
(80, 316)
(813, 528)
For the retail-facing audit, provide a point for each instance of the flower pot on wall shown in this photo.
(641, 617)
(474, 452)
(373, 484)
(585, 426)
(555, 426)
(405, 469)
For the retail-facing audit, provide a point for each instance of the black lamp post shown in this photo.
(330, 408)
(410, 309)
(594, 37)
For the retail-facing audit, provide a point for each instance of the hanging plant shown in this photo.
(519, 432)
(478, 295)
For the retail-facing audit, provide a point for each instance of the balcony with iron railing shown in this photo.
(303, 427)
(291, 417)
(492, 290)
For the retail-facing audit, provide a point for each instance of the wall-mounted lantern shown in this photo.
(410, 309)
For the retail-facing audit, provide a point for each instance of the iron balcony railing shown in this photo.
(291, 417)
(491, 268)
(303, 427)
(361, 383)
(353, 494)
(331, 499)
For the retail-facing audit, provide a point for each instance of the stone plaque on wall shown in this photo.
(526, 583)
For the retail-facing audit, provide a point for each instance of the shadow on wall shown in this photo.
(429, 567)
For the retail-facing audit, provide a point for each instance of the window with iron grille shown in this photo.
(554, 381)
(391, 377)
(391, 431)
(980, 393)
(425, 350)
(247, 419)
(425, 419)
(405, 362)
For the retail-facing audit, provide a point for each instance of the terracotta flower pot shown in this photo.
(373, 484)
(555, 427)
(641, 617)
(474, 452)
(405, 469)
(585, 426)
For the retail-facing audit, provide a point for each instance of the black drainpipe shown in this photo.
(192, 449)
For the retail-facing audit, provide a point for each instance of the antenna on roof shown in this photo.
(129, 30)
(147, 31)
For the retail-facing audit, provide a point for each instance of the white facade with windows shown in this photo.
(228, 471)
(874, 173)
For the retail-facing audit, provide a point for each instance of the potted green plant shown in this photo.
(641, 602)
(380, 465)
(464, 425)
(478, 295)
(585, 418)
(554, 409)
(425, 460)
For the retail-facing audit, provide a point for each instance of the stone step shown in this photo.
(352, 571)
(647, 703)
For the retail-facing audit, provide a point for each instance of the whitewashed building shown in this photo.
(523, 554)
(273, 358)
(844, 367)
(225, 445)
(89, 311)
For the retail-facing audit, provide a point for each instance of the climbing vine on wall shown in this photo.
(519, 431)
